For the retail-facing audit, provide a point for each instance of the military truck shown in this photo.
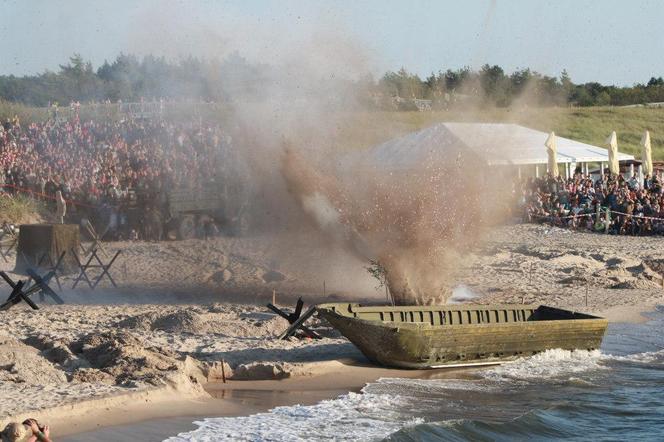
(223, 201)
(189, 210)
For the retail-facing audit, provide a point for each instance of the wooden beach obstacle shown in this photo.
(296, 320)
(17, 295)
(36, 283)
(105, 270)
(8, 241)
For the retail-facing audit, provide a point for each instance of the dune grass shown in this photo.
(594, 125)
(24, 113)
(20, 209)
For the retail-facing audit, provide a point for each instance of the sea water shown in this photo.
(616, 393)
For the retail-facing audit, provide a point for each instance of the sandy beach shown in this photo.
(155, 347)
(614, 276)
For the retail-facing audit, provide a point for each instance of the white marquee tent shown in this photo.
(499, 144)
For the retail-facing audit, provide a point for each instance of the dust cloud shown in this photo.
(416, 223)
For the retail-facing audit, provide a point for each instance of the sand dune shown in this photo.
(543, 264)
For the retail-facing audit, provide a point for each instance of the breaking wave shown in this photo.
(351, 417)
(548, 365)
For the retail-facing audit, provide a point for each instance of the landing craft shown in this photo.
(461, 335)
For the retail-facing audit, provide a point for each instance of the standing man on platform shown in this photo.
(61, 207)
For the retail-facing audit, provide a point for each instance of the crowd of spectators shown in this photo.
(608, 204)
(106, 166)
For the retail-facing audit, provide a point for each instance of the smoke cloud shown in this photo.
(416, 223)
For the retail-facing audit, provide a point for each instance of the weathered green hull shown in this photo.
(452, 335)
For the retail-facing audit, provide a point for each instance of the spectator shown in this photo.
(579, 202)
(96, 164)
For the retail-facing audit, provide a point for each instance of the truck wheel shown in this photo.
(187, 227)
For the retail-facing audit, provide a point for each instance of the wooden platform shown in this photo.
(45, 243)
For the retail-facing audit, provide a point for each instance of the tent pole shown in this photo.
(536, 170)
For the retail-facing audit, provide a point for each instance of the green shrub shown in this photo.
(20, 209)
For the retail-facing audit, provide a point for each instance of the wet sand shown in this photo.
(237, 403)
(241, 398)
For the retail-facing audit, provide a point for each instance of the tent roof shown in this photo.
(499, 144)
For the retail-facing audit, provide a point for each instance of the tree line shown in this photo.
(491, 85)
(130, 78)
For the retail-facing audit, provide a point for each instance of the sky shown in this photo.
(613, 42)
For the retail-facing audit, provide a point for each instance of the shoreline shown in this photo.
(116, 409)
(95, 419)
(306, 382)
(166, 416)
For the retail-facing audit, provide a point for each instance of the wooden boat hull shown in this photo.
(440, 336)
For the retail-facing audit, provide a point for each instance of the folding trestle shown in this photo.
(83, 275)
(96, 239)
(7, 244)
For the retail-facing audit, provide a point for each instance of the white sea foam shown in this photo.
(550, 364)
(648, 357)
(351, 417)
(408, 386)
(390, 404)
